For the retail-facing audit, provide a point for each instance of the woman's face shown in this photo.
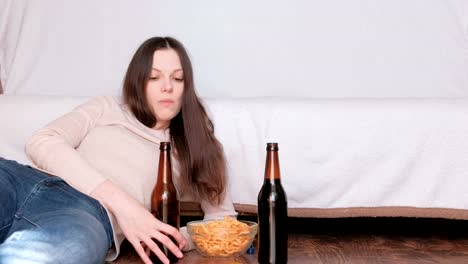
(165, 86)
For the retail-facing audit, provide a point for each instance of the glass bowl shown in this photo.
(222, 238)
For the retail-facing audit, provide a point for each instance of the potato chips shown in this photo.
(222, 237)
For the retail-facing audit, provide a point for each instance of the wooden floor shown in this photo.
(360, 240)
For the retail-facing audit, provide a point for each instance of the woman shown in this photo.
(105, 156)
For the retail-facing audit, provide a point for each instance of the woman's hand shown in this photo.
(139, 226)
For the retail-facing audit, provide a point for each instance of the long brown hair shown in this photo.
(202, 163)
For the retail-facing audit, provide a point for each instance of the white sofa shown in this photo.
(338, 157)
(385, 155)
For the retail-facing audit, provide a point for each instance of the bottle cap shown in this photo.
(164, 145)
(272, 146)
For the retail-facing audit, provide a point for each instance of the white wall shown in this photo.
(332, 48)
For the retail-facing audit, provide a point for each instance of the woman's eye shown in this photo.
(181, 79)
(154, 78)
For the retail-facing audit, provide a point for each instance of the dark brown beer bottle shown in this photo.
(272, 213)
(164, 201)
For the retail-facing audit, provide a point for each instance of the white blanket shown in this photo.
(334, 153)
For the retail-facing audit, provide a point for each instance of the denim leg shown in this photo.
(69, 236)
(52, 222)
(16, 182)
(8, 202)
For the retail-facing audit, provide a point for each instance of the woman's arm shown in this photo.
(52, 148)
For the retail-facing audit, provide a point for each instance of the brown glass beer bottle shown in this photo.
(164, 201)
(272, 213)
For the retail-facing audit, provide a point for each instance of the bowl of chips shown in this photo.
(222, 238)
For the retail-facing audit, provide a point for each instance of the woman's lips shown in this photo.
(166, 102)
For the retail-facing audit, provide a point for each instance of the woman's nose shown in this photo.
(167, 85)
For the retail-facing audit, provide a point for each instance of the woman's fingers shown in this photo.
(165, 240)
(157, 251)
(141, 252)
(144, 245)
(173, 232)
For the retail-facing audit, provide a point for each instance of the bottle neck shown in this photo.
(272, 169)
(165, 171)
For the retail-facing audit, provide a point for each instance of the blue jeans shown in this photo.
(44, 220)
